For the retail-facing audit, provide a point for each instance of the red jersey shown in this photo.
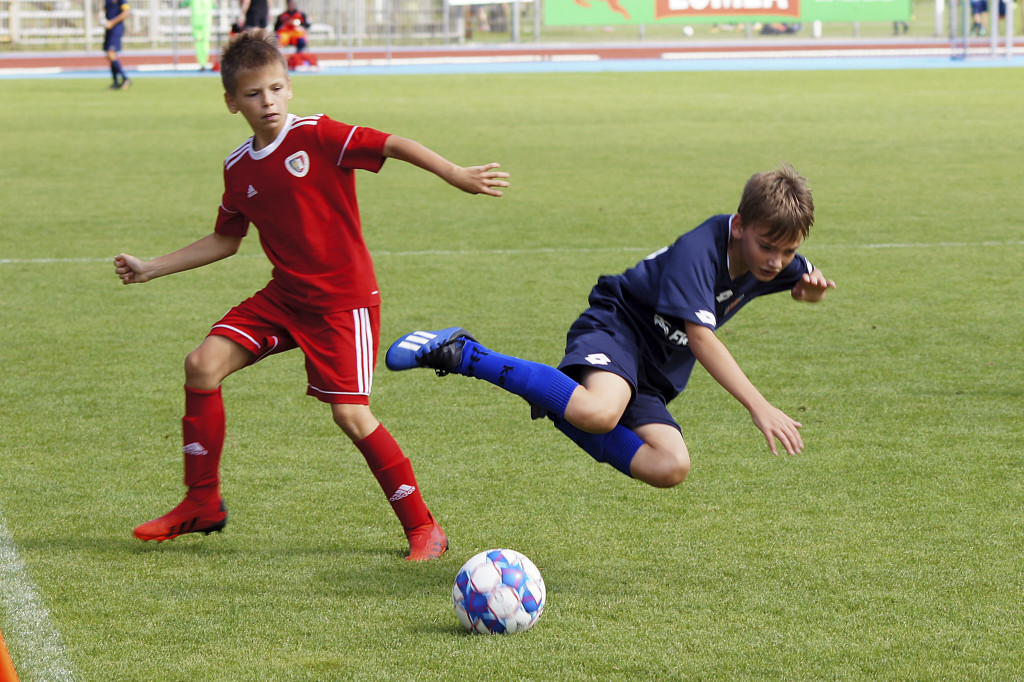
(300, 193)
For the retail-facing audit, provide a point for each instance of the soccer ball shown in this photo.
(499, 591)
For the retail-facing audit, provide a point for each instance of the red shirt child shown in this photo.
(301, 193)
(294, 180)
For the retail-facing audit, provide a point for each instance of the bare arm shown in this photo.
(213, 247)
(722, 366)
(471, 179)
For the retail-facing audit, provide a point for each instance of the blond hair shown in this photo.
(248, 51)
(780, 202)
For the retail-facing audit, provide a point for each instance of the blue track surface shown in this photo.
(688, 63)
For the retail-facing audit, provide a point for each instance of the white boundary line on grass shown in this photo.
(567, 249)
(30, 627)
(620, 249)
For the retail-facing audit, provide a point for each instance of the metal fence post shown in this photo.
(89, 16)
(15, 21)
(1010, 7)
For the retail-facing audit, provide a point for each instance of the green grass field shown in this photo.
(890, 549)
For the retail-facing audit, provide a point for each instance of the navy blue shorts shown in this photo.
(112, 38)
(981, 6)
(598, 340)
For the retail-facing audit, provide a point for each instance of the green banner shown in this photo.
(605, 12)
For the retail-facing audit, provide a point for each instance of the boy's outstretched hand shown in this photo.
(812, 287)
(777, 425)
(130, 269)
(480, 179)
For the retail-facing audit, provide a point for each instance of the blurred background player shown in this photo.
(291, 27)
(256, 14)
(114, 14)
(202, 17)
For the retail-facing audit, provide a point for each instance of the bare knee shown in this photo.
(661, 469)
(200, 370)
(355, 420)
(212, 361)
(673, 473)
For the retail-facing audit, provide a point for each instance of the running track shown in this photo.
(682, 56)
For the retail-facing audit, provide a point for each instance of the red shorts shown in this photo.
(340, 347)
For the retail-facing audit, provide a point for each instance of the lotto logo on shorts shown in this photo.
(598, 359)
(402, 492)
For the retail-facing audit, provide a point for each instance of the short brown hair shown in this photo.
(248, 51)
(778, 201)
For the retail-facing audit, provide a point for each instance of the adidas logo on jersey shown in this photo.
(402, 492)
(195, 449)
(252, 192)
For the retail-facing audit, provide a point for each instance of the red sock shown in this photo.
(202, 431)
(393, 471)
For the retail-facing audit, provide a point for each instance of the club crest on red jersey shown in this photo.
(298, 164)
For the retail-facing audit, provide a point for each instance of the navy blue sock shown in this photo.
(539, 384)
(617, 447)
(115, 67)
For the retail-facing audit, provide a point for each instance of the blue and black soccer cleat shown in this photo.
(440, 350)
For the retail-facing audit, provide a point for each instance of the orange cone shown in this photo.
(7, 673)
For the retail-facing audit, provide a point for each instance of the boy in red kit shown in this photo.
(294, 180)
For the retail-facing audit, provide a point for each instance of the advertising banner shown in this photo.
(607, 12)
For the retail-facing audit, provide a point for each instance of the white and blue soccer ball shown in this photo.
(499, 591)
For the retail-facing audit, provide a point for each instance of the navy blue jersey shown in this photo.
(640, 315)
(114, 7)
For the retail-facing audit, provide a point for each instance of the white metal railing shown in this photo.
(961, 30)
(78, 24)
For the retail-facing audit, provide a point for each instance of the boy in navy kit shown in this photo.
(632, 350)
(294, 179)
(114, 14)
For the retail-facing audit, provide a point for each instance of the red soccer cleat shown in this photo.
(426, 542)
(187, 517)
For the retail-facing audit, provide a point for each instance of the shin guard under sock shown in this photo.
(539, 384)
(617, 447)
(202, 431)
(393, 471)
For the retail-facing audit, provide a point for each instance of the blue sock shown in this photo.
(539, 384)
(118, 71)
(617, 447)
